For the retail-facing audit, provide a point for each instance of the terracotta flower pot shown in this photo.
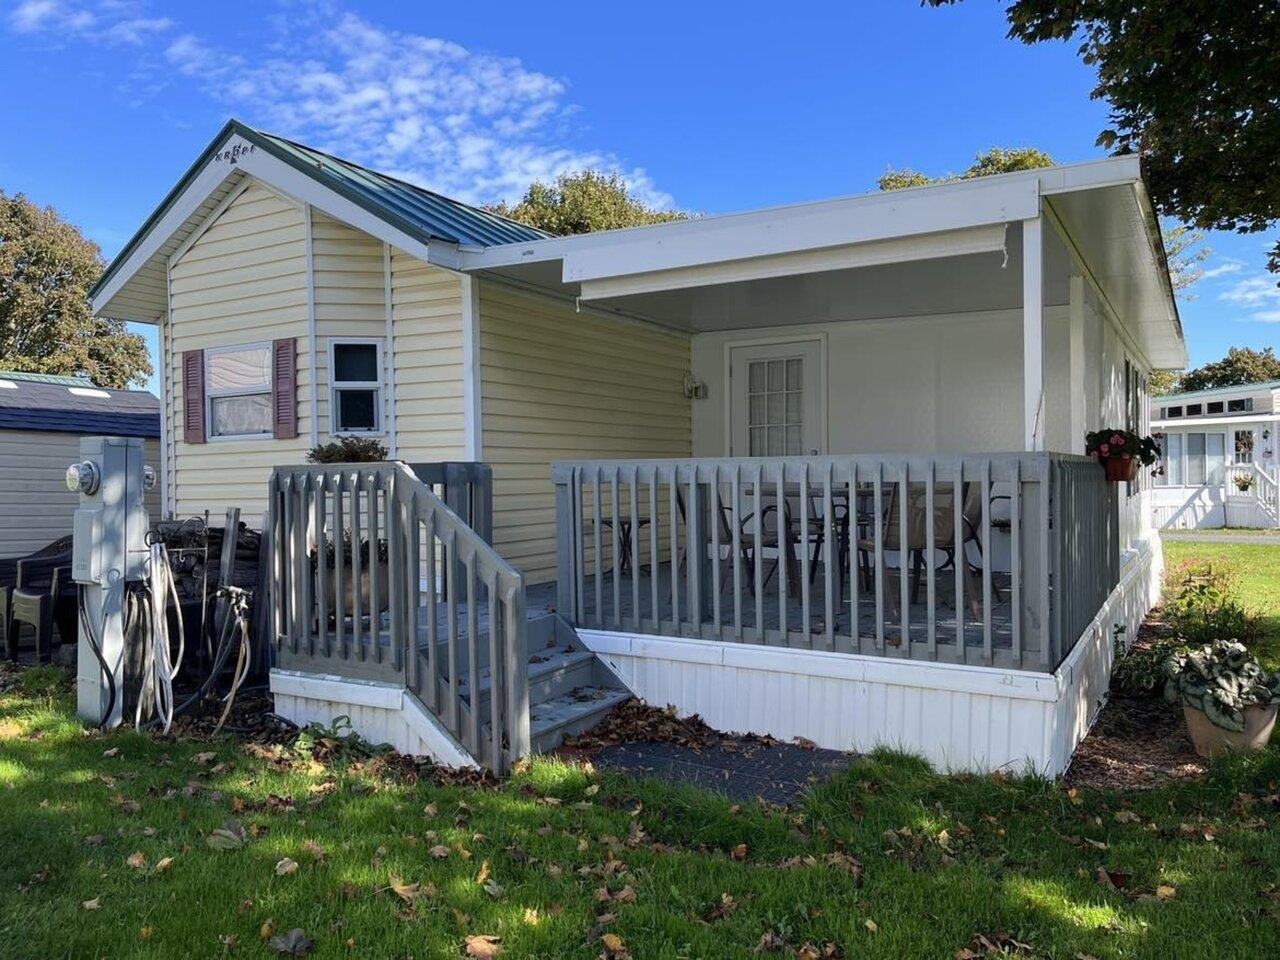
(1120, 470)
(1211, 740)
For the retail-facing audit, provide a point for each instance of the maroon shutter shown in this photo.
(284, 388)
(193, 396)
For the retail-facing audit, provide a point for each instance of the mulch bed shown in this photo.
(651, 742)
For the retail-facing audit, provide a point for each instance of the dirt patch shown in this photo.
(1137, 743)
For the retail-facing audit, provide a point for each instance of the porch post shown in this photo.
(1032, 334)
(1075, 362)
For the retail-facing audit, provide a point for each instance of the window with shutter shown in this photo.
(239, 388)
(193, 396)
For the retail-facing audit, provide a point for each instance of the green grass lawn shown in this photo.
(104, 852)
(1256, 570)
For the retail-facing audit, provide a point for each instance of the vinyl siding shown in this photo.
(427, 330)
(243, 281)
(35, 506)
(556, 384)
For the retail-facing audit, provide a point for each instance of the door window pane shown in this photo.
(775, 407)
(1244, 446)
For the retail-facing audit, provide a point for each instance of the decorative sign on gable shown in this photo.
(234, 151)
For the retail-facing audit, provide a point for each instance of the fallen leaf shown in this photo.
(295, 943)
(1166, 892)
(439, 851)
(721, 908)
(204, 758)
(229, 940)
(493, 889)
(592, 790)
(229, 836)
(483, 875)
(163, 864)
(626, 895)
(94, 904)
(770, 941)
(614, 949)
(1127, 816)
(739, 851)
(314, 850)
(137, 860)
(871, 925)
(1112, 879)
(113, 752)
(267, 930)
(286, 866)
(146, 932)
(482, 945)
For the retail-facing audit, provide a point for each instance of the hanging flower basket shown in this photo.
(1121, 452)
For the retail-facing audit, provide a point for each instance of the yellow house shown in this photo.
(828, 453)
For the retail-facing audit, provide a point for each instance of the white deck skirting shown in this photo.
(379, 712)
(957, 717)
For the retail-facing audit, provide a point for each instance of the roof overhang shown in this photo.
(134, 286)
(878, 254)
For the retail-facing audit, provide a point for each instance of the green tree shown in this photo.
(1184, 247)
(1241, 365)
(1192, 88)
(583, 202)
(1163, 382)
(46, 325)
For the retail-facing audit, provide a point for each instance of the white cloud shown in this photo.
(474, 125)
(1265, 316)
(1252, 292)
(1223, 268)
(112, 22)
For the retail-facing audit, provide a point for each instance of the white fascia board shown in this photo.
(1206, 424)
(1090, 175)
(952, 243)
(835, 223)
(280, 176)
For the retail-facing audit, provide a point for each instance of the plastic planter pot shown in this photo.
(1120, 470)
(1211, 740)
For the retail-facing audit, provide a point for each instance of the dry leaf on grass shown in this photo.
(137, 860)
(286, 866)
(295, 943)
(482, 945)
(163, 864)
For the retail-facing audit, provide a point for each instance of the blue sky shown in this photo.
(705, 107)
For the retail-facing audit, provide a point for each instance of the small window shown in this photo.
(1171, 412)
(357, 387)
(238, 390)
(1215, 407)
(1244, 446)
(1242, 405)
(1194, 409)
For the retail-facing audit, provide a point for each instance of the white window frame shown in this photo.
(210, 394)
(378, 386)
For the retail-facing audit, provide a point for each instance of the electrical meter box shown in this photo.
(110, 527)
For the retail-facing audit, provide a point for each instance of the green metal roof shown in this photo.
(1216, 391)
(421, 214)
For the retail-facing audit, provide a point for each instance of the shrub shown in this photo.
(1140, 672)
(1204, 607)
(349, 450)
(1222, 679)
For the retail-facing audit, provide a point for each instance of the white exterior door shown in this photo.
(776, 398)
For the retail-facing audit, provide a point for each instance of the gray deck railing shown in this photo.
(373, 576)
(997, 559)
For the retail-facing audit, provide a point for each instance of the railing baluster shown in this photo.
(599, 565)
(339, 564)
(673, 495)
(736, 534)
(713, 511)
(904, 562)
(879, 523)
(473, 658)
(432, 684)
(634, 547)
(931, 563)
(275, 525)
(517, 671)
(375, 561)
(655, 564)
(783, 538)
(357, 570)
(695, 550)
(290, 596)
(962, 560)
(806, 623)
(828, 536)
(498, 679)
(397, 549)
(413, 602)
(855, 553)
(449, 553)
(580, 549)
(1015, 559)
(319, 579)
(987, 645)
(615, 515)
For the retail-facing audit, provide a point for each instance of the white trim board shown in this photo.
(473, 441)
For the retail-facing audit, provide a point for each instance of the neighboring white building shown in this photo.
(1219, 457)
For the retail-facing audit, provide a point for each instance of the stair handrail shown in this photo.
(326, 527)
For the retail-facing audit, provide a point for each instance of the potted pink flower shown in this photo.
(1121, 452)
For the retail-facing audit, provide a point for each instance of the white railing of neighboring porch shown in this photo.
(443, 605)
(1262, 487)
(1038, 552)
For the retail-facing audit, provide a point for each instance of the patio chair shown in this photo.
(775, 527)
(39, 586)
(8, 580)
